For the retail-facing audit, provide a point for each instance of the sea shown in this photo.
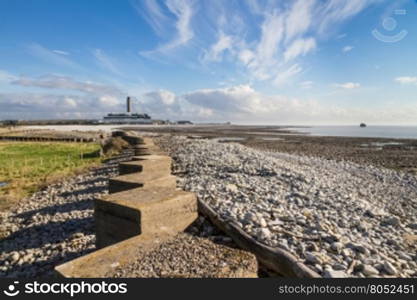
(391, 132)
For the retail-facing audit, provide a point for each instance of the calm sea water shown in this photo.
(395, 132)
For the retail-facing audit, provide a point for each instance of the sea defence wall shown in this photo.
(143, 209)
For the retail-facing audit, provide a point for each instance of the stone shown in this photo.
(347, 252)
(15, 257)
(264, 233)
(369, 271)
(389, 268)
(391, 221)
(232, 188)
(334, 274)
(412, 226)
(312, 258)
(262, 222)
(337, 247)
(339, 267)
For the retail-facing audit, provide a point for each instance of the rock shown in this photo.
(389, 268)
(369, 270)
(232, 188)
(339, 267)
(264, 233)
(334, 274)
(390, 221)
(27, 258)
(337, 247)
(412, 226)
(360, 248)
(14, 257)
(312, 259)
(249, 217)
(347, 252)
(262, 222)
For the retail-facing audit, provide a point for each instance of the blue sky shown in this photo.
(245, 61)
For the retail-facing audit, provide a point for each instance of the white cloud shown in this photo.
(347, 49)
(68, 83)
(70, 102)
(223, 43)
(152, 14)
(6, 76)
(48, 106)
(50, 56)
(243, 104)
(333, 12)
(162, 97)
(265, 54)
(348, 85)
(263, 36)
(161, 22)
(299, 47)
(183, 10)
(109, 101)
(406, 80)
(299, 18)
(283, 77)
(61, 52)
(246, 56)
(106, 62)
(306, 84)
(238, 104)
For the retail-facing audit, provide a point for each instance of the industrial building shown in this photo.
(128, 117)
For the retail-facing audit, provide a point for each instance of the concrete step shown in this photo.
(146, 163)
(120, 216)
(133, 140)
(138, 180)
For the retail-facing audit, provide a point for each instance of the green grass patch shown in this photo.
(27, 166)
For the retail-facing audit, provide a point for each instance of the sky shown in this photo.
(283, 62)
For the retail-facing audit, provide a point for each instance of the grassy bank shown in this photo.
(24, 167)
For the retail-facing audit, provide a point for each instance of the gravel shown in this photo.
(342, 219)
(188, 256)
(53, 225)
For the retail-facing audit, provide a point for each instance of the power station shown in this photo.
(128, 117)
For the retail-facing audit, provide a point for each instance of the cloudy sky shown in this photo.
(245, 61)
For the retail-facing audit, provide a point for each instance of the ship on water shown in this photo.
(128, 117)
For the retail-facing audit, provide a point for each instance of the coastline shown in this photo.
(381, 152)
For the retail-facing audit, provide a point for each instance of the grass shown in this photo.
(26, 167)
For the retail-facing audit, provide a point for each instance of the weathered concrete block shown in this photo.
(137, 180)
(141, 151)
(100, 262)
(123, 215)
(133, 140)
(147, 163)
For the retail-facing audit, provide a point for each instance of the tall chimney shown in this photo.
(128, 105)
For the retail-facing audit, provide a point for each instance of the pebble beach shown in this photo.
(342, 219)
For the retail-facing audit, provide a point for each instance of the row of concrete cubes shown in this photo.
(143, 198)
(143, 209)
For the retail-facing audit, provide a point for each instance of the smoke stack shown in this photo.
(128, 105)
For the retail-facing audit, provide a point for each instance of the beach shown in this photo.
(342, 219)
(343, 206)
